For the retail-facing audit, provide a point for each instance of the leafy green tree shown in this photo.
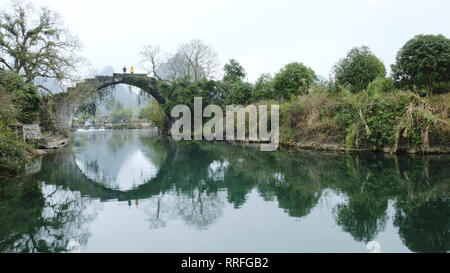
(213, 92)
(180, 91)
(423, 61)
(24, 101)
(239, 93)
(358, 69)
(118, 115)
(234, 72)
(36, 45)
(294, 79)
(183, 91)
(264, 88)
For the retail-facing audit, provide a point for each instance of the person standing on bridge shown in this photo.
(124, 69)
(131, 70)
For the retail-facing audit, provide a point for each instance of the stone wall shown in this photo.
(27, 131)
(64, 115)
(31, 131)
(58, 112)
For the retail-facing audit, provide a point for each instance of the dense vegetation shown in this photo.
(383, 121)
(153, 112)
(19, 103)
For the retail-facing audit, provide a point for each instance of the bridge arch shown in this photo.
(142, 81)
(60, 109)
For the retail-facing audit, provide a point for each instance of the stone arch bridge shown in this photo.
(59, 109)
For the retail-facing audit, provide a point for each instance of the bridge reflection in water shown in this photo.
(229, 193)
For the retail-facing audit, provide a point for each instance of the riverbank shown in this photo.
(392, 122)
(388, 122)
(342, 148)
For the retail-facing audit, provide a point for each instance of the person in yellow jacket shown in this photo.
(131, 70)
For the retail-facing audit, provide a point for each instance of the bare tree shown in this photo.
(151, 60)
(193, 59)
(198, 59)
(35, 44)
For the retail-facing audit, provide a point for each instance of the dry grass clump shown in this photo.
(310, 118)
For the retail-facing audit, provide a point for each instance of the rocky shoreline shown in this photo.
(339, 147)
(48, 143)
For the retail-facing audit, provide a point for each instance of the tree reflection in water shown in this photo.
(196, 180)
(41, 218)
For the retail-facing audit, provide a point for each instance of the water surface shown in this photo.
(132, 191)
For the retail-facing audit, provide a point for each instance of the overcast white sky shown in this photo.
(262, 35)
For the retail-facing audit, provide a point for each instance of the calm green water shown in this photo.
(131, 191)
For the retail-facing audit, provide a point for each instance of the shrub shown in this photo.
(156, 115)
(310, 117)
(380, 85)
(387, 121)
(12, 151)
(24, 98)
(421, 124)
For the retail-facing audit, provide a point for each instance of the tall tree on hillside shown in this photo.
(234, 71)
(34, 44)
(423, 62)
(293, 79)
(264, 88)
(358, 69)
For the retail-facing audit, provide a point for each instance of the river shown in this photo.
(133, 191)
